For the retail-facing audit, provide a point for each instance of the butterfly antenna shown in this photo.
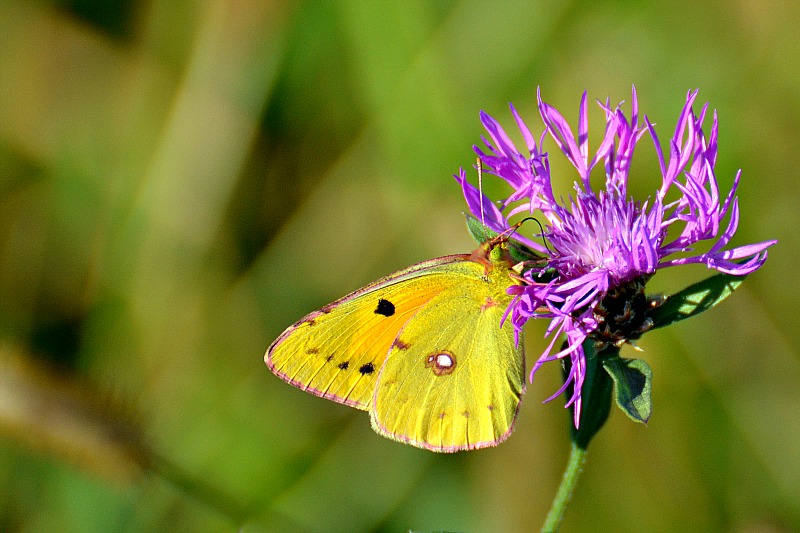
(544, 239)
(480, 194)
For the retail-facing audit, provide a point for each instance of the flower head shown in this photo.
(599, 247)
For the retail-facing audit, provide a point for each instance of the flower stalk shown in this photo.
(577, 458)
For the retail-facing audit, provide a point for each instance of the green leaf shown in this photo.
(478, 231)
(595, 396)
(633, 382)
(694, 299)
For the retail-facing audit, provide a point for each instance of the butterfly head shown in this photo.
(495, 251)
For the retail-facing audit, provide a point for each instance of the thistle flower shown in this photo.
(600, 247)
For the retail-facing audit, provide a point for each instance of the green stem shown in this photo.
(577, 457)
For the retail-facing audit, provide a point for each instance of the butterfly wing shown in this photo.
(337, 351)
(453, 378)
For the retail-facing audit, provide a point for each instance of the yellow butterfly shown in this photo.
(422, 350)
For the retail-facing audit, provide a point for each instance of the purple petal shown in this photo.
(480, 206)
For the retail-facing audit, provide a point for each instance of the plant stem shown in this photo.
(577, 457)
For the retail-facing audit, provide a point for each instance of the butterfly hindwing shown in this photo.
(338, 351)
(457, 385)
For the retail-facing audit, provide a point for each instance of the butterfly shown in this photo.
(423, 350)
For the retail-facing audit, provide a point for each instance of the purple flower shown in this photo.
(600, 247)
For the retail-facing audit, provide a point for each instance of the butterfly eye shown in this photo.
(442, 363)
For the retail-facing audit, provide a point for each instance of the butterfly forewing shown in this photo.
(457, 385)
(338, 351)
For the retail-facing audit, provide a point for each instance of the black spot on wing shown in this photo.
(344, 366)
(367, 369)
(385, 308)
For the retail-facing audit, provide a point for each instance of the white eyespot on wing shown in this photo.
(441, 362)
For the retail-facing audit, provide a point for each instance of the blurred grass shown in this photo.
(181, 181)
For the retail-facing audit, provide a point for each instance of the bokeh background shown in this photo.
(180, 181)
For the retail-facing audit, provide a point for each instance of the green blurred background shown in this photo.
(180, 181)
